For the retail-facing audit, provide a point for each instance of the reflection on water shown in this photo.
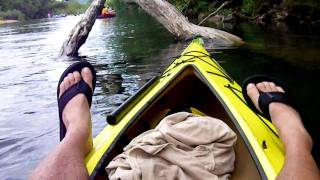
(126, 51)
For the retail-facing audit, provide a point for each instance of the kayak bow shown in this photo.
(193, 80)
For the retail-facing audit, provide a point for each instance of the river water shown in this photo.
(126, 51)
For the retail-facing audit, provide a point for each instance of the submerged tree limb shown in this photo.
(80, 32)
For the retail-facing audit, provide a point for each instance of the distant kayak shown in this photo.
(106, 15)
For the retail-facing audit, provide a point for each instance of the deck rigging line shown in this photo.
(223, 74)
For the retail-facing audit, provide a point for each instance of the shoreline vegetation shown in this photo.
(21, 10)
(262, 12)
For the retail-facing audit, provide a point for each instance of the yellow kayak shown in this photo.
(195, 81)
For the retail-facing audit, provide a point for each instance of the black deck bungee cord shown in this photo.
(223, 75)
(258, 115)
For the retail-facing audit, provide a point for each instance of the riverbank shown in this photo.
(293, 12)
(38, 9)
(8, 21)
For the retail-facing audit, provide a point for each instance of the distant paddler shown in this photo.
(107, 12)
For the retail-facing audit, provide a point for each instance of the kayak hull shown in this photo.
(194, 80)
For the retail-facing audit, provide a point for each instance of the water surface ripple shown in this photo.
(30, 69)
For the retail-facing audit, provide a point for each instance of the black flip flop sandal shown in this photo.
(80, 87)
(265, 98)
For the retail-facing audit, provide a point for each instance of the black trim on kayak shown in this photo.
(205, 81)
(191, 59)
(217, 67)
(232, 90)
(115, 117)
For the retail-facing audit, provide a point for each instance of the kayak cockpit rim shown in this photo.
(203, 79)
(118, 114)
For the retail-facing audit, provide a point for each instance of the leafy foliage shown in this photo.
(182, 5)
(192, 8)
(72, 7)
(193, 5)
(12, 14)
(249, 6)
(31, 9)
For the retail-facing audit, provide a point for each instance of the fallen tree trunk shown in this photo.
(164, 12)
(80, 32)
(180, 26)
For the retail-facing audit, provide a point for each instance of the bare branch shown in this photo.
(215, 12)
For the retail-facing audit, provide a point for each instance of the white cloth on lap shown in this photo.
(183, 146)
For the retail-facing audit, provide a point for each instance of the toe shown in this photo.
(71, 78)
(268, 86)
(261, 87)
(87, 76)
(77, 76)
(253, 93)
(273, 87)
(279, 89)
(61, 88)
(66, 82)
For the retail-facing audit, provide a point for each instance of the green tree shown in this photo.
(31, 9)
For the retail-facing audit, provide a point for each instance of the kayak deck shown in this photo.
(194, 80)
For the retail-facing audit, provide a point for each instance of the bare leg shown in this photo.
(299, 163)
(67, 159)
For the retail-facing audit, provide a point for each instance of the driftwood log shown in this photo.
(172, 19)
